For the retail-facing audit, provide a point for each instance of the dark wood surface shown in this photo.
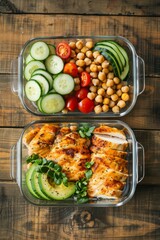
(139, 21)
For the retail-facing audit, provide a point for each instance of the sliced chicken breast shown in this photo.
(110, 131)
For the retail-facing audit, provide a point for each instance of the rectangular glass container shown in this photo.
(135, 79)
(135, 157)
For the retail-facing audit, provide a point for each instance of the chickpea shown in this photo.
(106, 101)
(96, 54)
(72, 45)
(105, 64)
(80, 56)
(84, 49)
(121, 104)
(80, 63)
(77, 50)
(105, 70)
(72, 61)
(112, 104)
(93, 89)
(101, 76)
(79, 44)
(101, 91)
(98, 99)
(95, 81)
(77, 80)
(110, 83)
(87, 61)
(114, 97)
(125, 89)
(87, 69)
(65, 110)
(77, 87)
(100, 58)
(99, 68)
(125, 96)
(98, 109)
(104, 86)
(93, 68)
(73, 54)
(105, 108)
(91, 95)
(119, 86)
(80, 69)
(110, 91)
(89, 44)
(110, 75)
(89, 54)
(93, 74)
(116, 80)
(119, 92)
(115, 109)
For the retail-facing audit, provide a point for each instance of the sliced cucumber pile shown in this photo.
(117, 56)
(43, 188)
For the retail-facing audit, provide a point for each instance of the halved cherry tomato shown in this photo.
(63, 50)
(85, 79)
(82, 93)
(72, 103)
(71, 69)
(86, 105)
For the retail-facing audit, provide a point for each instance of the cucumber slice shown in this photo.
(63, 84)
(113, 62)
(28, 59)
(29, 180)
(33, 90)
(43, 83)
(46, 75)
(31, 67)
(52, 49)
(54, 64)
(39, 50)
(52, 103)
(39, 104)
(57, 192)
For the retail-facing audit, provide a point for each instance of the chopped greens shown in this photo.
(85, 130)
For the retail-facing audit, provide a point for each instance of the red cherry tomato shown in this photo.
(71, 69)
(82, 93)
(72, 104)
(85, 79)
(86, 105)
(63, 50)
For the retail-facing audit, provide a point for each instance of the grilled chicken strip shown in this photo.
(71, 152)
(108, 151)
(110, 131)
(30, 135)
(42, 141)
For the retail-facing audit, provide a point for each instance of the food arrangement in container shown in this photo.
(97, 76)
(78, 163)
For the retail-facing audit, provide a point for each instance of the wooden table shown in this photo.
(138, 21)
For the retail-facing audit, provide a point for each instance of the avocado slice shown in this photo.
(29, 180)
(53, 191)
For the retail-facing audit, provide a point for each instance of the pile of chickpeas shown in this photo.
(107, 90)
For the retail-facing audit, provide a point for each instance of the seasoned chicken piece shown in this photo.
(108, 151)
(110, 131)
(105, 141)
(71, 153)
(30, 135)
(62, 132)
(43, 140)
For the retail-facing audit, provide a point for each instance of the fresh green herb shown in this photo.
(85, 130)
(81, 185)
(33, 158)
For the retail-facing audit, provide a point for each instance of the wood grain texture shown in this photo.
(138, 219)
(10, 137)
(145, 114)
(104, 7)
(144, 33)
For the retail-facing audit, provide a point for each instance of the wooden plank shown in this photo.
(144, 33)
(138, 219)
(145, 114)
(149, 139)
(104, 7)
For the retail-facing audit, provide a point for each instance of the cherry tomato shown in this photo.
(86, 105)
(71, 69)
(82, 93)
(85, 79)
(63, 50)
(72, 103)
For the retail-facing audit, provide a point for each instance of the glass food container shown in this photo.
(135, 79)
(135, 158)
